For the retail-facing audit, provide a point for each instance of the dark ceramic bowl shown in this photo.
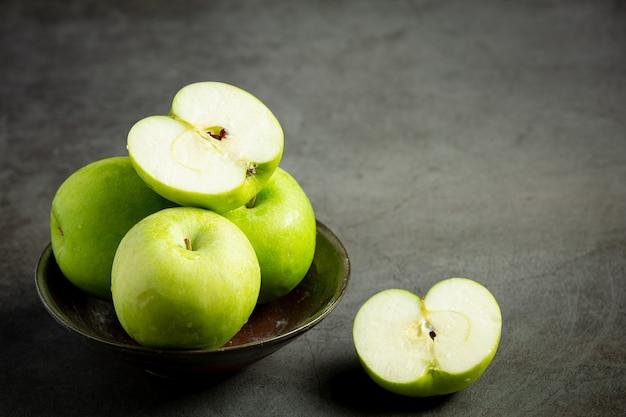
(271, 326)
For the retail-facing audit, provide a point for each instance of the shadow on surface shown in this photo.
(351, 388)
(45, 370)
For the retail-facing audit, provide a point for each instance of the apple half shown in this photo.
(432, 345)
(216, 149)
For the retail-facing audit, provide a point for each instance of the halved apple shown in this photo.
(216, 149)
(434, 345)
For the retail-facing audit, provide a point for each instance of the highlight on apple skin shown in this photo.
(432, 345)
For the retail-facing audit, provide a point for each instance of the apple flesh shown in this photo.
(91, 211)
(184, 278)
(216, 149)
(280, 224)
(434, 345)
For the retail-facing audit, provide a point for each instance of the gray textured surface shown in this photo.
(484, 139)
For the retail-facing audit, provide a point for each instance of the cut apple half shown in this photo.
(431, 345)
(216, 149)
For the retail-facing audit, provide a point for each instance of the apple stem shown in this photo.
(251, 203)
(188, 244)
(251, 170)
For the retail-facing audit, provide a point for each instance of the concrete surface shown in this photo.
(484, 139)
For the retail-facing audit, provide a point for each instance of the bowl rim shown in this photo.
(41, 282)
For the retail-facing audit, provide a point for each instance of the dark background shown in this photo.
(484, 139)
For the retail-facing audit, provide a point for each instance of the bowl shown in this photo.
(270, 327)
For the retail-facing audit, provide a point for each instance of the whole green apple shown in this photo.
(184, 278)
(91, 211)
(280, 223)
(434, 345)
(216, 149)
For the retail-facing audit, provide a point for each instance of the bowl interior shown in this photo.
(270, 326)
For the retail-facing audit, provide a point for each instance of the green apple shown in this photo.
(216, 149)
(280, 224)
(434, 345)
(184, 278)
(91, 211)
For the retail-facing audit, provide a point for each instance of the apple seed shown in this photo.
(432, 334)
(216, 132)
(219, 136)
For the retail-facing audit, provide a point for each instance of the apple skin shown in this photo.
(168, 296)
(193, 109)
(282, 229)
(434, 381)
(91, 211)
